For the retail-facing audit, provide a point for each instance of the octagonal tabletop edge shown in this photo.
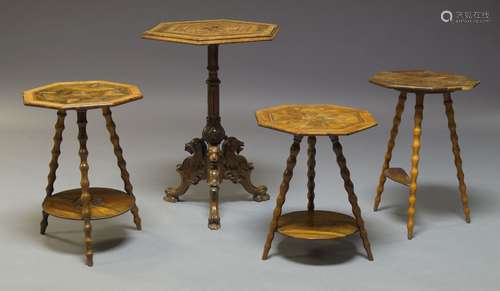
(213, 31)
(424, 81)
(80, 95)
(315, 119)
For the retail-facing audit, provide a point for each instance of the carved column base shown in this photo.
(228, 165)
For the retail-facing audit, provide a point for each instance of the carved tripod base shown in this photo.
(214, 164)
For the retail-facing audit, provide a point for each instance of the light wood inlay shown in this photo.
(317, 225)
(81, 95)
(105, 203)
(315, 119)
(423, 81)
(216, 31)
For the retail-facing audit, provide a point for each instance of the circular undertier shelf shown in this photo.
(105, 203)
(316, 225)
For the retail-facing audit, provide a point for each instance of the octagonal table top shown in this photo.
(423, 81)
(216, 31)
(315, 119)
(81, 95)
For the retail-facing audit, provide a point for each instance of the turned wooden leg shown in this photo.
(115, 140)
(280, 200)
(311, 163)
(448, 103)
(213, 180)
(84, 183)
(349, 187)
(417, 131)
(53, 165)
(390, 146)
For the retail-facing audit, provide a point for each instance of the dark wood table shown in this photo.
(215, 156)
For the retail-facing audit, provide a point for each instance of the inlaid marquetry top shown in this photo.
(217, 31)
(81, 95)
(423, 81)
(315, 119)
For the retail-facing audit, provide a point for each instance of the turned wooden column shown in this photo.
(213, 133)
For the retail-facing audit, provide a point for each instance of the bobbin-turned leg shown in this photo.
(417, 132)
(311, 164)
(390, 146)
(53, 165)
(448, 103)
(280, 200)
(84, 183)
(115, 140)
(349, 187)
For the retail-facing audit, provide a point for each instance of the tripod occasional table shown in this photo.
(85, 203)
(313, 120)
(421, 82)
(214, 157)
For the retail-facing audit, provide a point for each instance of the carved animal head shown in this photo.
(232, 144)
(196, 146)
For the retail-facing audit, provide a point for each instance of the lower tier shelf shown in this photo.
(398, 175)
(105, 203)
(317, 225)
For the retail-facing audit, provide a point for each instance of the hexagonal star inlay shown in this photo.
(217, 31)
(81, 95)
(315, 119)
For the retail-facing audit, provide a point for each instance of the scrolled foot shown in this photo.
(214, 223)
(169, 197)
(261, 197)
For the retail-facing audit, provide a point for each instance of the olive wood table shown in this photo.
(420, 82)
(313, 120)
(214, 157)
(85, 203)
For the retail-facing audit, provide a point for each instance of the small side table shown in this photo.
(311, 121)
(214, 157)
(420, 82)
(85, 203)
